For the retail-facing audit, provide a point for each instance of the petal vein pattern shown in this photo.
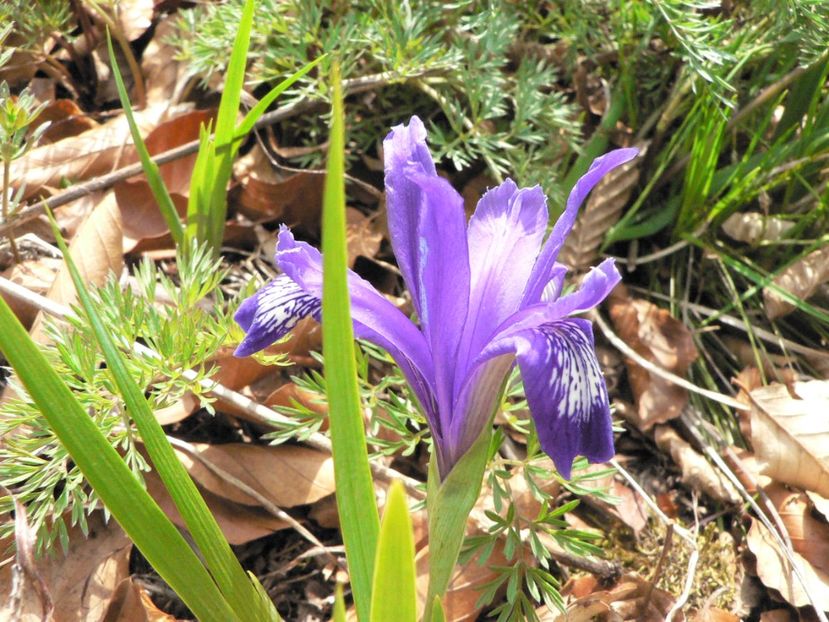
(272, 312)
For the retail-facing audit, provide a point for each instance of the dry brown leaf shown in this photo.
(630, 509)
(81, 583)
(474, 190)
(134, 17)
(92, 153)
(131, 603)
(362, 235)
(162, 72)
(621, 603)
(801, 279)
(139, 211)
(753, 227)
(289, 395)
(821, 504)
(810, 541)
(96, 249)
(658, 337)
(790, 433)
(714, 614)
(239, 523)
(36, 275)
(268, 195)
(697, 472)
(466, 585)
(286, 475)
(603, 208)
(65, 120)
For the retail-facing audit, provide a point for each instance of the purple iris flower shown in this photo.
(487, 295)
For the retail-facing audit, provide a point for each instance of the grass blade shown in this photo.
(259, 109)
(151, 170)
(394, 592)
(240, 593)
(134, 509)
(355, 492)
(226, 127)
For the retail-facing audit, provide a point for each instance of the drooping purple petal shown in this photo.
(595, 287)
(443, 279)
(521, 332)
(505, 234)
(566, 392)
(269, 314)
(552, 290)
(375, 318)
(544, 264)
(404, 146)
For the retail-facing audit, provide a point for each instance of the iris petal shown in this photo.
(375, 318)
(566, 392)
(405, 146)
(443, 280)
(505, 234)
(272, 312)
(542, 272)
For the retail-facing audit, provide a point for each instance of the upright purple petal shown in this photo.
(505, 234)
(375, 318)
(405, 146)
(443, 279)
(544, 265)
(566, 392)
(272, 312)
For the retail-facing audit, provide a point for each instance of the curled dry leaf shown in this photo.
(286, 475)
(753, 227)
(131, 603)
(624, 602)
(65, 120)
(143, 222)
(268, 194)
(80, 583)
(697, 472)
(239, 523)
(659, 337)
(801, 279)
(162, 72)
(95, 152)
(362, 235)
(810, 540)
(96, 249)
(600, 213)
(790, 433)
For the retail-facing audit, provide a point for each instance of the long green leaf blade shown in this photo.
(230, 577)
(226, 126)
(134, 509)
(262, 105)
(394, 592)
(355, 492)
(151, 170)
